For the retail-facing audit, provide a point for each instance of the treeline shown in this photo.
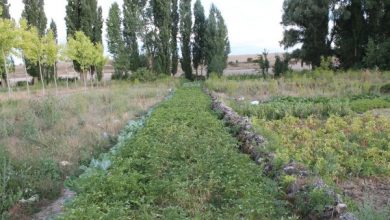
(357, 32)
(141, 34)
(38, 47)
(164, 28)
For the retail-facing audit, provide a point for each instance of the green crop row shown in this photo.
(322, 107)
(183, 164)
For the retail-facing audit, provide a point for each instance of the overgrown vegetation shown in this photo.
(306, 84)
(42, 141)
(183, 164)
(325, 120)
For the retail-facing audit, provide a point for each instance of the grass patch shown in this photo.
(183, 165)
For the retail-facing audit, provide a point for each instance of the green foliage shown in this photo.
(132, 10)
(81, 49)
(385, 89)
(199, 31)
(364, 105)
(264, 63)
(281, 107)
(175, 168)
(312, 202)
(281, 66)
(350, 34)
(144, 75)
(185, 32)
(217, 42)
(115, 41)
(34, 13)
(85, 16)
(336, 147)
(4, 8)
(369, 211)
(377, 55)
(174, 32)
(7, 196)
(161, 11)
(53, 28)
(306, 23)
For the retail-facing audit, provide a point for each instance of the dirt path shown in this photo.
(55, 208)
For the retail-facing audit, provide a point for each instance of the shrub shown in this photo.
(144, 75)
(313, 201)
(385, 89)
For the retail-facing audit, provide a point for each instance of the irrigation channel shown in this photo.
(181, 161)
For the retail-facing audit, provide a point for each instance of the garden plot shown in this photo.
(183, 164)
(336, 135)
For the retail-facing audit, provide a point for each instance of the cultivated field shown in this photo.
(44, 140)
(336, 124)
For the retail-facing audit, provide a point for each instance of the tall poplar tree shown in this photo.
(5, 9)
(217, 42)
(116, 45)
(185, 32)
(131, 25)
(34, 14)
(85, 16)
(351, 35)
(175, 31)
(199, 31)
(161, 11)
(53, 28)
(306, 22)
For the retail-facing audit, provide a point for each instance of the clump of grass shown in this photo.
(183, 164)
(369, 211)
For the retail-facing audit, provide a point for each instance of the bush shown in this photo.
(385, 89)
(144, 75)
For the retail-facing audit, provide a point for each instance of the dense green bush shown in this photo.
(385, 89)
(144, 75)
(183, 164)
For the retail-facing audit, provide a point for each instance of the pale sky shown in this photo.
(253, 25)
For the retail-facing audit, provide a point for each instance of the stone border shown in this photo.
(305, 181)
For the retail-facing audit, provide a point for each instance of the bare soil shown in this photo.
(373, 189)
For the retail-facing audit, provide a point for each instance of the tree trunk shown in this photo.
(6, 74)
(26, 74)
(90, 73)
(85, 81)
(40, 73)
(55, 77)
